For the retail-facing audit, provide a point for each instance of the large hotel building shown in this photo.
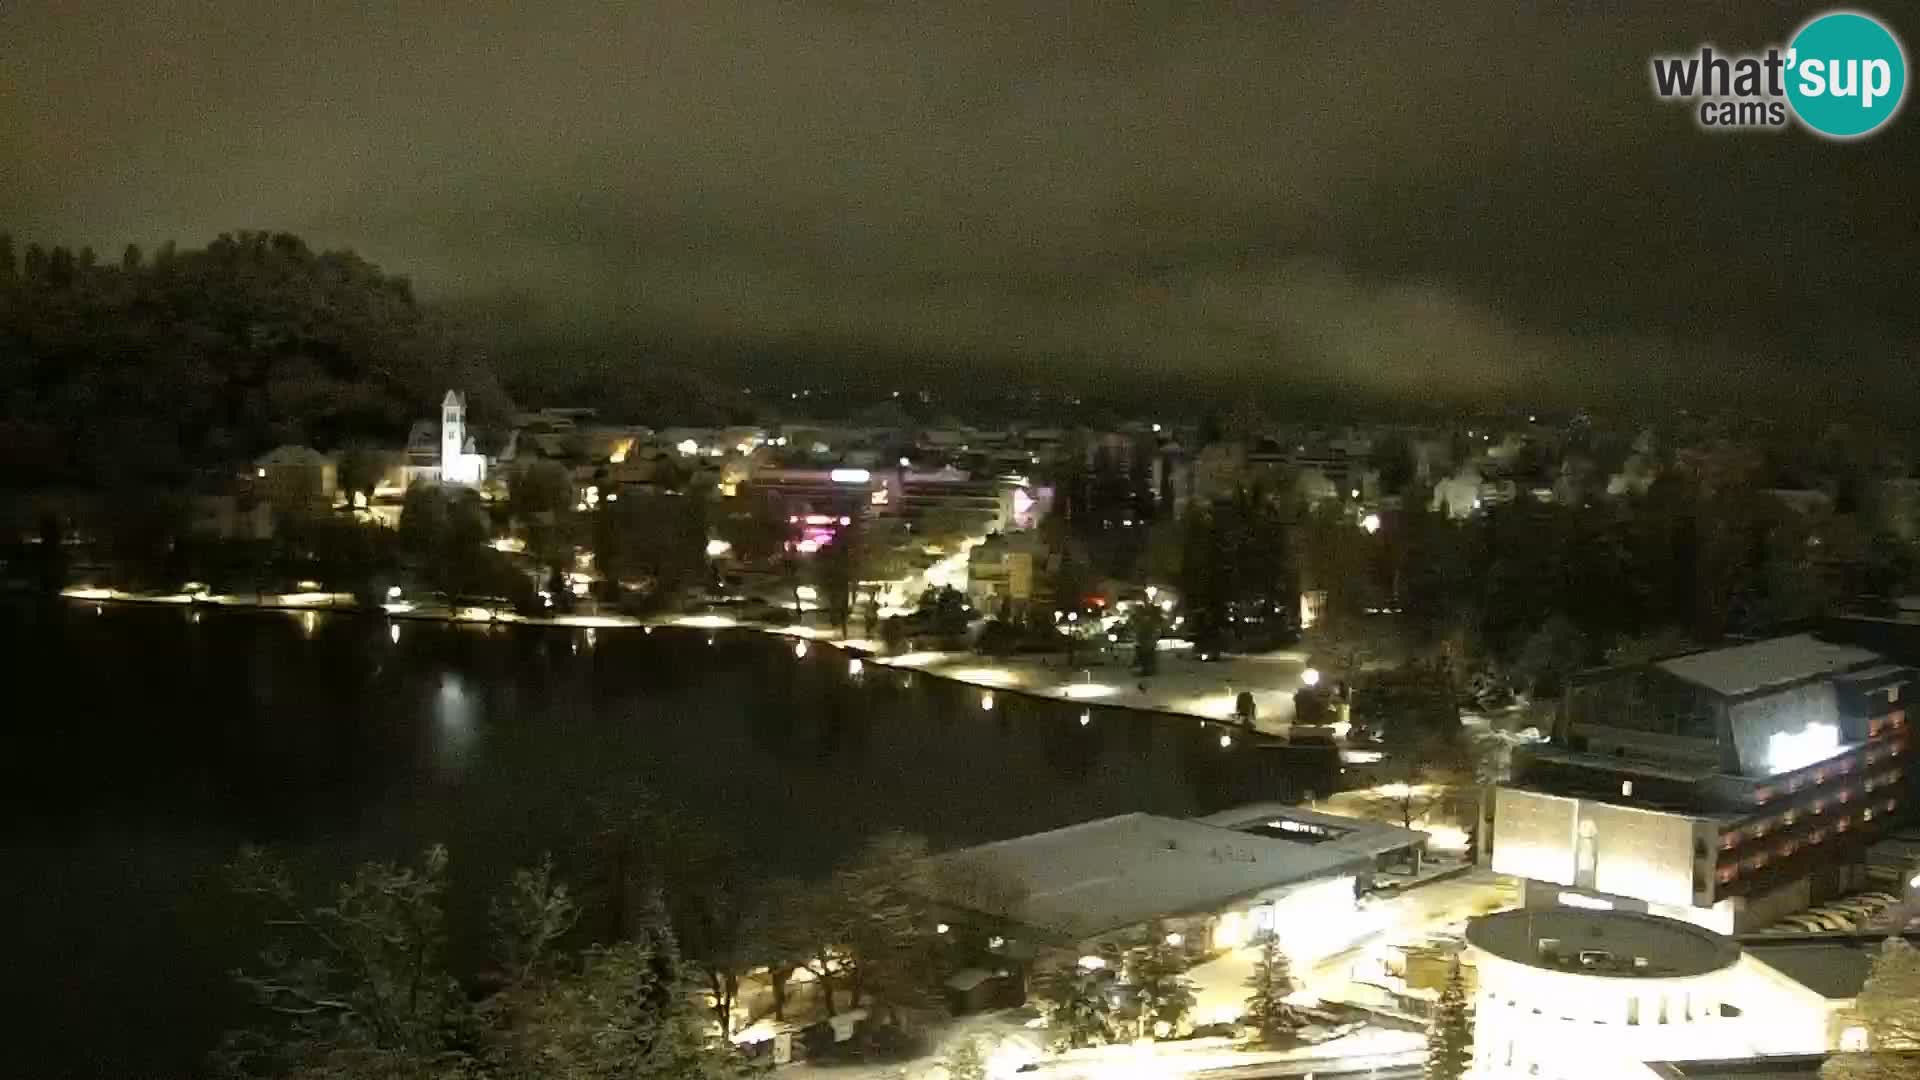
(1726, 788)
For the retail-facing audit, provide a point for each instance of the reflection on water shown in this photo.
(144, 748)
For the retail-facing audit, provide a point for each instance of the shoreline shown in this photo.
(1180, 694)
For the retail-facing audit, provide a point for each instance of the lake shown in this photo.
(142, 745)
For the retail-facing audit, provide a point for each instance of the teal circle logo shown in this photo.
(1846, 74)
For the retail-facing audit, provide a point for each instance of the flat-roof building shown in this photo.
(1232, 882)
(1570, 994)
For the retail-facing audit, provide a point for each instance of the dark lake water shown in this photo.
(140, 746)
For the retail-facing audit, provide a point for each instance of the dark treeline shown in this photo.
(155, 367)
(636, 952)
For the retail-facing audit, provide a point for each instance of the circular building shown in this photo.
(1566, 992)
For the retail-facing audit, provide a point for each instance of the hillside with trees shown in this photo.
(150, 368)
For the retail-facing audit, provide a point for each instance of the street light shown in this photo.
(1310, 677)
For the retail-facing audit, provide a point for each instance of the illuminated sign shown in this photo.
(850, 476)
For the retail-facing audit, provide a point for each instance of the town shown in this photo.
(1618, 710)
(916, 541)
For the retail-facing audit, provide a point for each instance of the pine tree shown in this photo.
(1267, 1009)
(1078, 1007)
(1450, 1036)
(1161, 986)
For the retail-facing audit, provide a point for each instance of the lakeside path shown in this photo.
(1184, 686)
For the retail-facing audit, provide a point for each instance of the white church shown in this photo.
(452, 457)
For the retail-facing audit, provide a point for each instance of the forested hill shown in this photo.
(151, 368)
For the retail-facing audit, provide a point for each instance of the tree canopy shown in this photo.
(254, 341)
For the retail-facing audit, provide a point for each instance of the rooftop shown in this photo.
(1834, 969)
(1098, 876)
(305, 456)
(1327, 832)
(1781, 661)
(1605, 944)
(1796, 1067)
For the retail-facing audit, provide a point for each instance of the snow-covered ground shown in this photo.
(1008, 1050)
(1220, 992)
(1183, 684)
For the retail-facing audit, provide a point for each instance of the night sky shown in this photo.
(1430, 200)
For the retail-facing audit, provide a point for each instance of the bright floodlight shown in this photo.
(799, 650)
(1087, 690)
(1790, 750)
(986, 701)
(855, 666)
(1371, 523)
(717, 548)
(1310, 677)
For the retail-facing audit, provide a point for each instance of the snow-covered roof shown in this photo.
(1779, 661)
(1329, 832)
(305, 456)
(1088, 879)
